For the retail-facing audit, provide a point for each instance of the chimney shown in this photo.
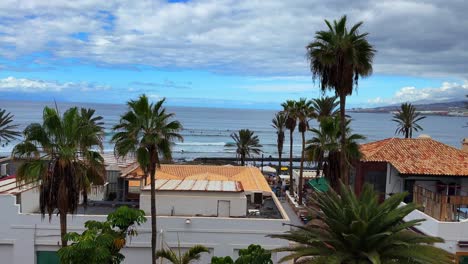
(464, 146)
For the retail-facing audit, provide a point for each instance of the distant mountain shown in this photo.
(445, 106)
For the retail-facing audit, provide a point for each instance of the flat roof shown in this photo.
(196, 185)
(251, 178)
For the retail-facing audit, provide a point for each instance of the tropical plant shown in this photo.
(221, 260)
(338, 58)
(325, 107)
(247, 143)
(101, 242)
(351, 229)
(174, 257)
(7, 130)
(254, 254)
(304, 114)
(279, 123)
(63, 155)
(407, 119)
(290, 110)
(325, 147)
(147, 131)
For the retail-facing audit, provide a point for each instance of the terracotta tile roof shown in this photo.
(251, 178)
(423, 156)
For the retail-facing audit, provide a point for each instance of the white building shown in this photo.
(222, 227)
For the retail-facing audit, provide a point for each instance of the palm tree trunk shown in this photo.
(242, 160)
(154, 231)
(301, 171)
(406, 132)
(291, 188)
(279, 162)
(63, 227)
(343, 172)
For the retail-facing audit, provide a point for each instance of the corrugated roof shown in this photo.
(419, 156)
(196, 185)
(250, 177)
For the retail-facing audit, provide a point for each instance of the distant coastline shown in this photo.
(458, 108)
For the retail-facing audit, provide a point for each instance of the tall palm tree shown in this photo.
(325, 147)
(325, 107)
(7, 130)
(407, 119)
(338, 58)
(279, 123)
(64, 155)
(247, 143)
(351, 229)
(304, 114)
(147, 131)
(178, 258)
(290, 110)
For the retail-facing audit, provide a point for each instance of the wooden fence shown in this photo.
(439, 206)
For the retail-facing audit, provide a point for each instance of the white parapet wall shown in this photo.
(21, 235)
(451, 232)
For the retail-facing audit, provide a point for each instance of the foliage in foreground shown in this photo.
(176, 256)
(7, 129)
(102, 241)
(254, 254)
(351, 229)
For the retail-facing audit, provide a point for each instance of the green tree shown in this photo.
(101, 242)
(279, 123)
(63, 155)
(7, 129)
(351, 229)
(325, 107)
(147, 131)
(174, 257)
(407, 119)
(325, 145)
(338, 58)
(247, 143)
(290, 110)
(254, 254)
(222, 260)
(304, 114)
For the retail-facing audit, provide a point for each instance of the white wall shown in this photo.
(451, 232)
(395, 183)
(30, 201)
(28, 232)
(192, 203)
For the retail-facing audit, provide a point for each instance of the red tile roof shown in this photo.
(419, 156)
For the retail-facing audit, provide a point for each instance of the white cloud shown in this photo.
(449, 91)
(12, 84)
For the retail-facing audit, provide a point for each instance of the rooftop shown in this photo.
(417, 156)
(196, 185)
(250, 178)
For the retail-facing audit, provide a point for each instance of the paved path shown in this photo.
(295, 220)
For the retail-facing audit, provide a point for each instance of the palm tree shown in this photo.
(61, 155)
(338, 58)
(279, 123)
(325, 107)
(147, 131)
(7, 130)
(247, 144)
(407, 119)
(325, 147)
(178, 258)
(289, 109)
(351, 229)
(304, 114)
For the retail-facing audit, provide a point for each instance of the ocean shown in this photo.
(207, 130)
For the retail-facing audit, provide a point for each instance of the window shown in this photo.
(47, 257)
(377, 179)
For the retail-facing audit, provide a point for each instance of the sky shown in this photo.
(224, 53)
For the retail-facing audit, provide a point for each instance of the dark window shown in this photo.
(377, 179)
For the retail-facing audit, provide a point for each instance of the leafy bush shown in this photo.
(102, 241)
(254, 254)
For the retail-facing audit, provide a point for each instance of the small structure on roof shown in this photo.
(196, 198)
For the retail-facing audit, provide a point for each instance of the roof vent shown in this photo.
(424, 136)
